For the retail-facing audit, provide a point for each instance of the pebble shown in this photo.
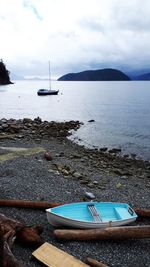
(89, 195)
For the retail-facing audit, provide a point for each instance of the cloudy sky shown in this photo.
(75, 35)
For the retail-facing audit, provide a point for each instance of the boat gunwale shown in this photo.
(132, 218)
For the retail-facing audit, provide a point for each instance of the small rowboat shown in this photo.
(91, 215)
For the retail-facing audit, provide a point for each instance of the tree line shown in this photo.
(4, 74)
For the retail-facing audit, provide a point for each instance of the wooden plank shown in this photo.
(53, 257)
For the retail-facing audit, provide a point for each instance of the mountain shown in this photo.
(15, 77)
(4, 74)
(96, 75)
(143, 77)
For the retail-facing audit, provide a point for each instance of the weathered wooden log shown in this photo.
(95, 263)
(114, 233)
(27, 204)
(143, 212)
(25, 234)
(7, 259)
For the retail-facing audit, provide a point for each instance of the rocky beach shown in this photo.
(38, 162)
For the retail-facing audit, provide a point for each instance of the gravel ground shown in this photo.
(73, 171)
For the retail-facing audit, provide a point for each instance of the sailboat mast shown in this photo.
(49, 76)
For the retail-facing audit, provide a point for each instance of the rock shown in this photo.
(91, 185)
(77, 175)
(65, 172)
(84, 182)
(126, 155)
(102, 187)
(119, 185)
(3, 120)
(114, 150)
(103, 149)
(47, 156)
(122, 173)
(4, 126)
(91, 120)
(26, 120)
(89, 195)
(133, 155)
(119, 172)
(15, 128)
(95, 182)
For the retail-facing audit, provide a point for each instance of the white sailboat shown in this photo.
(49, 91)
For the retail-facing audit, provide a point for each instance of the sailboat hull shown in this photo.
(42, 92)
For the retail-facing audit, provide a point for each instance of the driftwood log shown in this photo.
(95, 263)
(24, 234)
(109, 233)
(7, 259)
(17, 203)
(143, 212)
(10, 230)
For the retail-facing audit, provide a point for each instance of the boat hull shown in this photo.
(47, 92)
(112, 214)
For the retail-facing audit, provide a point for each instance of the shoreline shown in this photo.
(72, 172)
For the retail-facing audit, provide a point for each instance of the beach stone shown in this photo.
(91, 120)
(4, 126)
(114, 150)
(119, 185)
(3, 120)
(65, 172)
(91, 185)
(89, 195)
(77, 175)
(47, 156)
(83, 181)
(102, 187)
(103, 149)
(125, 155)
(95, 182)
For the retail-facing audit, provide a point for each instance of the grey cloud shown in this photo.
(133, 16)
(92, 24)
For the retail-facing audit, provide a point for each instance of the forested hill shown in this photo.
(96, 75)
(4, 74)
(143, 77)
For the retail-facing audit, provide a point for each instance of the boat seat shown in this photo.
(95, 214)
(123, 213)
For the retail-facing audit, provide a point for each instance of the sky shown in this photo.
(75, 35)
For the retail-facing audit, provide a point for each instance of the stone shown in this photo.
(103, 149)
(89, 195)
(77, 175)
(91, 120)
(47, 156)
(118, 185)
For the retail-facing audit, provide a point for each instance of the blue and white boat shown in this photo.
(90, 215)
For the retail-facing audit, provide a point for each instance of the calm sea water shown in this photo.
(120, 110)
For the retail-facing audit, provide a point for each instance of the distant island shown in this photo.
(143, 77)
(96, 75)
(4, 74)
